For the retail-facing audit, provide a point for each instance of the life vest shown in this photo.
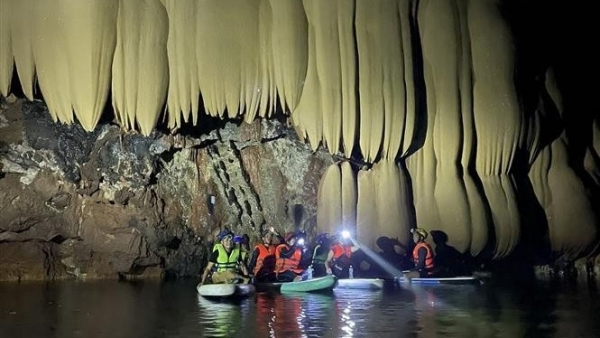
(285, 264)
(227, 261)
(264, 253)
(339, 250)
(428, 257)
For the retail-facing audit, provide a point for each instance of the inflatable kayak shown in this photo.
(309, 285)
(442, 280)
(360, 283)
(225, 290)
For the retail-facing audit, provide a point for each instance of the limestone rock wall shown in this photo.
(113, 204)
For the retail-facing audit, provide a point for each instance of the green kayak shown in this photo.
(310, 285)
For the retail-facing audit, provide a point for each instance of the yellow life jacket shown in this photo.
(227, 261)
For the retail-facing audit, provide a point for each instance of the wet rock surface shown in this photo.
(110, 204)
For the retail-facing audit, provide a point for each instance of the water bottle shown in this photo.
(351, 272)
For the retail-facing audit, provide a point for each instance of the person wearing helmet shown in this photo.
(320, 252)
(243, 242)
(227, 260)
(262, 259)
(422, 256)
(339, 258)
(288, 258)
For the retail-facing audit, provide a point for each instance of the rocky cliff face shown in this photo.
(111, 204)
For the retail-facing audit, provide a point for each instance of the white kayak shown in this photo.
(225, 290)
(442, 280)
(360, 283)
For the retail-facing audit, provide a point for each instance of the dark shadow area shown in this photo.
(448, 260)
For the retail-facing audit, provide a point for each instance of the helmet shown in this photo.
(288, 236)
(224, 233)
(301, 233)
(238, 239)
(419, 231)
(323, 238)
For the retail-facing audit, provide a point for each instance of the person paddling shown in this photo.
(228, 262)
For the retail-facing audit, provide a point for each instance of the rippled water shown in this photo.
(173, 309)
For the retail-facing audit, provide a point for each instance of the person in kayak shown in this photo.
(422, 255)
(227, 260)
(339, 258)
(262, 258)
(289, 256)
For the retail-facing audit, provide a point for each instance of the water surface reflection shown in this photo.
(173, 309)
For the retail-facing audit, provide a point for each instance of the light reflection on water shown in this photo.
(173, 309)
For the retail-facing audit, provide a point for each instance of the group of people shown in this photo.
(289, 258)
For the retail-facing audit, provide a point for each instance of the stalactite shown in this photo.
(440, 30)
(480, 218)
(182, 43)
(140, 66)
(289, 34)
(90, 36)
(22, 45)
(228, 57)
(498, 119)
(266, 85)
(6, 54)
(50, 55)
(410, 125)
(329, 85)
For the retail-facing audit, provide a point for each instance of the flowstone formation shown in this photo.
(461, 116)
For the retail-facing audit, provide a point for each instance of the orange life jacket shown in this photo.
(264, 253)
(340, 250)
(428, 256)
(285, 264)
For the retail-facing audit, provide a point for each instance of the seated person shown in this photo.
(262, 260)
(288, 257)
(227, 260)
(339, 257)
(422, 256)
(320, 252)
(244, 243)
(449, 262)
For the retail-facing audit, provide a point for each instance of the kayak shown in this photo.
(225, 290)
(360, 283)
(442, 280)
(309, 285)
